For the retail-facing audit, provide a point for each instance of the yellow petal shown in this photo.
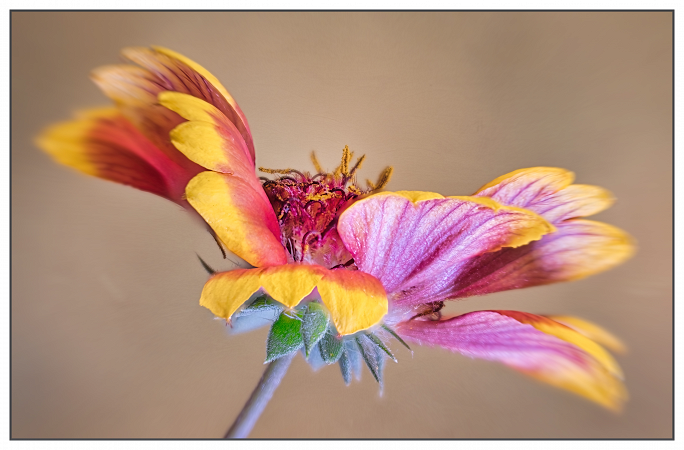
(356, 301)
(240, 215)
(208, 138)
(289, 284)
(225, 292)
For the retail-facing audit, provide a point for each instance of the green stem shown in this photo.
(257, 402)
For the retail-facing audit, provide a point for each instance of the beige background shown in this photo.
(108, 339)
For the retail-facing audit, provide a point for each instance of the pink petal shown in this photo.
(547, 191)
(416, 247)
(577, 249)
(502, 336)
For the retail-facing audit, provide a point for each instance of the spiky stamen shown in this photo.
(307, 208)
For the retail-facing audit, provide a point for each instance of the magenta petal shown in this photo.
(547, 191)
(577, 249)
(489, 335)
(416, 249)
(494, 336)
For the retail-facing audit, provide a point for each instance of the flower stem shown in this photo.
(257, 402)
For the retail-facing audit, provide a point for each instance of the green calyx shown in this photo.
(308, 327)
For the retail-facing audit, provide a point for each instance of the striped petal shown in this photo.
(415, 242)
(240, 215)
(104, 144)
(577, 249)
(535, 345)
(135, 90)
(356, 301)
(548, 191)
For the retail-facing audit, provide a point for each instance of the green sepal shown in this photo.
(345, 368)
(381, 345)
(285, 337)
(331, 348)
(314, 324)
(354, 356)
(396, 336)
(261, 304)
(371, 355)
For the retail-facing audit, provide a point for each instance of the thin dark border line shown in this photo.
(346, 439)
(341, 10)
(673, 225)
(10, 225)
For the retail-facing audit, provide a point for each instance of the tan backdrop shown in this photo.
(108, 339)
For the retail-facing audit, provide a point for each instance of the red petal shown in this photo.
(104, 144)
(135, 90)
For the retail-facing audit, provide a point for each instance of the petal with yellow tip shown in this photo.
(559, 358)
(102, 143)
(415, 242)
(577, 249)
(553, 328)
(241, 216)
(356, 301)
(548, 191)
(135, 90)
(208, 138)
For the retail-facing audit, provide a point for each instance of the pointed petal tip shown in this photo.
(534, 345)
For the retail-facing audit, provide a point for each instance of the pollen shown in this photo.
(382, 181)
(273, 171)
(307, 207)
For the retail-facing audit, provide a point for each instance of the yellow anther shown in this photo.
(384, 179)
(323, 196)
(317, 165)
(343, 169)
(346, 157)
(357, 166)
(280, 171)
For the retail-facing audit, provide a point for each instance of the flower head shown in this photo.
(342, 269)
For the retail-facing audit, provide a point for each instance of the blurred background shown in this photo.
(108, 339)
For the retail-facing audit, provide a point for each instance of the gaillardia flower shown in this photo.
(340, 269)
